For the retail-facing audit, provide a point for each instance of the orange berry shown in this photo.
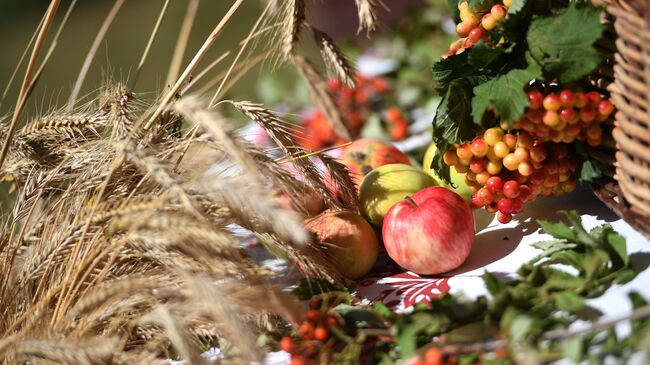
(511, 162)
(298, 360)
(464, 152)
(433, 356)
(450, 158)
(313, 316)
(287, 344)
(321, 334)
(306, 331)
(482, 177)
(331, 321)
(510, 140)
(501, 149)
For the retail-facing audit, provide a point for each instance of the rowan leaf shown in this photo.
(562, 43)
(505, 94)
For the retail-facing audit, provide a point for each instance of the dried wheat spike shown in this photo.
(337, 64)
(367, 10)
(321, 95)
(115, 102)
(341, 177)
(294, 18)
(277, 129)
(48, 131)
(98, 352)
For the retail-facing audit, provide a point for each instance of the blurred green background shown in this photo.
(120, 52)
(122, 48)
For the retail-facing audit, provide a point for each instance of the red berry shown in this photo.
(484, 196)
(605, 107)
(331, 321)
(567, 98)
(535, 99)
(517, 205)
(505, 205)
(313, 316)
(494, 184)
(298, 360)
(588, 114)
(476, 202)
(476, 34)
(581, 100)
(594, 98)
(393, 114)
(306, 331)
(321, 334)
(552, 102)
(477, 165)
(314, 304)
(504, 218)
(498, 12)
(568, 115)
(479, 147)
(287, 344)
(433, 356)
(511, 189)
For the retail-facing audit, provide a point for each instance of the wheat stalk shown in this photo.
(337, 63)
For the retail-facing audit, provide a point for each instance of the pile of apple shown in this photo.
(424, 227)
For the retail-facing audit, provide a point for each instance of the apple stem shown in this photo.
(411, 201)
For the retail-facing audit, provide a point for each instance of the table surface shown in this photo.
(502, 248)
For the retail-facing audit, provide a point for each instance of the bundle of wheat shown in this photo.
(119, 247)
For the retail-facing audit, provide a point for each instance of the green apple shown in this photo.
(457, 178)
(387, 185)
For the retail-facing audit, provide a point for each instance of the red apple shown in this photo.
(430, 232)
(351, 242)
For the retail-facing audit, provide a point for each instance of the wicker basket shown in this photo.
(631, 95)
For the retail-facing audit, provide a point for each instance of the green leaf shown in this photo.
(558, 230)
(516, 6)
(588, 171)
(562, 43)
(569, 301)
(573, 348)
(493, 285)
(520, 327)
(550, 247)
(452, 122)
(505, 94)
(448, 69)
(618, 245)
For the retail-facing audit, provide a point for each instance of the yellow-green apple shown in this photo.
(387, 185)
(457, 178)
(364, 155)
(430, 232)
(351, 242)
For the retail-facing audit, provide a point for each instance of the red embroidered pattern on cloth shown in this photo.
(393, 287)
